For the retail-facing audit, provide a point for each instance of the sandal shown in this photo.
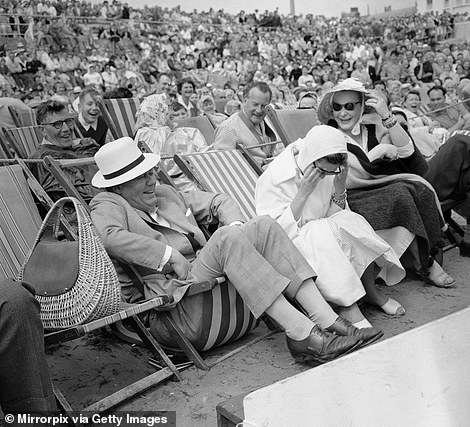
(393, 308)
(437, 277)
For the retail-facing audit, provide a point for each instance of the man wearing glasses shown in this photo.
(57, 126)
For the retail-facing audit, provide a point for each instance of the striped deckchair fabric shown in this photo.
(291, 125)
(19, 220)
(24, 140)
(120, 115)
(459, 132)
(223, 172)
(226, 318)
(23, 117)
(203, 124)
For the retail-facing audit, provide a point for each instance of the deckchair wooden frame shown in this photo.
(129, 311)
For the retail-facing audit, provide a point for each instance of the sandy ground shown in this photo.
(90, 368)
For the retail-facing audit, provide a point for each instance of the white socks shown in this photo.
(318, 310)
(364, 323)
(296, 325)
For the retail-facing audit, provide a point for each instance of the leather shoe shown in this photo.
(464, 248)
(321, 346)
(344, 327)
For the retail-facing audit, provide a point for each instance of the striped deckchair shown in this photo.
(23, 140)
(222, 172)
(23, 117)
(291, 125)
(226, 318)
(119, 115)
(203, 124)
(19, 225)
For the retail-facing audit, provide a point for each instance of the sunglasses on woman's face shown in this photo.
(327, 172)
(349, 106)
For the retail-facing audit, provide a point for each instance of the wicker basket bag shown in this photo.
(75, 281)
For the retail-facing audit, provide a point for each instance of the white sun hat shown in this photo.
(121, 161)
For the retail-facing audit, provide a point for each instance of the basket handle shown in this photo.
(51, 224)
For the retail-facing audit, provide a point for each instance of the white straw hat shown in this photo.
(121, 161)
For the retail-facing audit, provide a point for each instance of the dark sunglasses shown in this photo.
(349, 106)
(59, 123)
(327, 172)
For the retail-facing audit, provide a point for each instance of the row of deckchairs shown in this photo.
(119, 115)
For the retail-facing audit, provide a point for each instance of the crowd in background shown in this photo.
(67, 45)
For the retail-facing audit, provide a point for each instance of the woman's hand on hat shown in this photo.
(379, 104)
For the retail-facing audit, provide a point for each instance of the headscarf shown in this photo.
(319, 142)
(203, 100)
(325, 108)
(308, 94)
(153, 112)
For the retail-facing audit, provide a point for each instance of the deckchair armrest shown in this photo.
(126, 311)
(206, 285)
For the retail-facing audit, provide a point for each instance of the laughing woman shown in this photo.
(304, 190)
(385, 172)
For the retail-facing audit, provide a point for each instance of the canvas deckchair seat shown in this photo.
(24, 140)
(223, 172)
(203, 124)
(291, 125)
(119, 115)
(19, 220)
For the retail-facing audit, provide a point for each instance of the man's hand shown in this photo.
(180, 264)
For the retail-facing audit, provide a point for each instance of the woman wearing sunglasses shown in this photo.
(384, 169)
(304, 190)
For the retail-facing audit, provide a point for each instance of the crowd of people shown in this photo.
(114, 45)
(388, 94)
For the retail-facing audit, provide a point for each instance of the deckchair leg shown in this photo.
(64, 405)
(152, 343)
(238, 349)
(130, 391)
(183, 342)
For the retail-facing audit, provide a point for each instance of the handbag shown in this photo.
(75, 281)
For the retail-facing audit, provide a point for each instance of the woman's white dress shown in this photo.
(338, 245)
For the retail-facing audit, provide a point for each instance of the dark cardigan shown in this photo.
(99, 135)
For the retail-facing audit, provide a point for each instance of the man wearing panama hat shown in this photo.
(155, 228)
